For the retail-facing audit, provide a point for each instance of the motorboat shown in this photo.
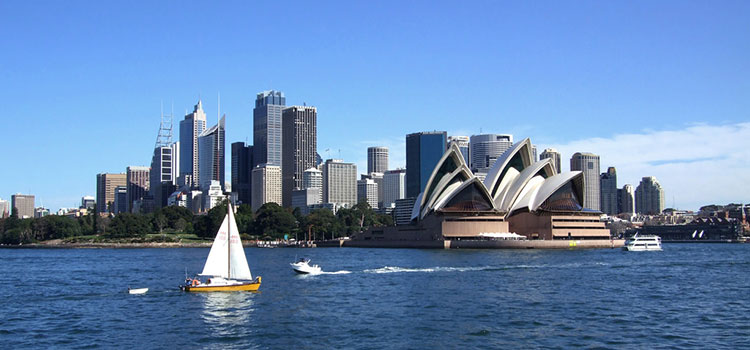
(643, 243)
(303, 267)
(137, 290)
(226, 266)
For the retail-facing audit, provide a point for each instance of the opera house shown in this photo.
(457, 209)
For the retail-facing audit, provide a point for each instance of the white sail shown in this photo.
(227, 261)
(218, 257)
(694, 232)
(238, 264)
(701, 234)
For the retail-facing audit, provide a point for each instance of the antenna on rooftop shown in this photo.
(164, 137)
(218, 110)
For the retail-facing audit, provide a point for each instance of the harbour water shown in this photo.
(687, 296)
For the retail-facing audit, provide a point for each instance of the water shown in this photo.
(688, 296)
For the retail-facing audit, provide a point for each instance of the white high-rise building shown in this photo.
(588, 163)
(312, 179)
(190, 128)
(266, 185)
(486, 148)
(394, 187)
(339, 182)
(212, 196)
(367, 190)
(555, 155)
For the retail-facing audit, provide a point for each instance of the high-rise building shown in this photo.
(105, 190)
(463, 145)
(339, 182)
(312, 178)
(627, 199)
(299, 145)
(138, 183)
(242, 160)
(423, 151)
(486, 148)
(190, 128)
(588, 163)
(266, 185)
(367, 191)
(88, 202)
(23, 204)
(4, 209)
(303, 198)
(120, 200)
(394, 187)
(212, 195)
(555, 155)
(649, 197)
(608, 192)
(378, 178)
(267, 127)
(211, 155)
(377, 159)
(162, 175)
(40, 212)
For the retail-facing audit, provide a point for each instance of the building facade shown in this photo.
(423, 151)
(626, 196)
(267, 128)
(339, 183)
(588, 163)
(105, 190)
(608, 192)
(299, 145)
(23, 204)
(242, 160)
(555, 156)
(649, 197)
(4, 209)
(367, 191)
(190, 128)
(266, 185)
(394, 187)
(162, 175)
(211, 152)
(486, 148)
(138, 184)
(377, 159)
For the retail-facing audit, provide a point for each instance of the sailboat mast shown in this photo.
(229, 242)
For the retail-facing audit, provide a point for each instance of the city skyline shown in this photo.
(649, 97)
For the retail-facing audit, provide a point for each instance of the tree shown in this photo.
(322, 222)
(127, 225)
(274, 221)
(207, 225)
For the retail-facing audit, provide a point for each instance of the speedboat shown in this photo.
(302, 266)
(643, 243)
(137, 290)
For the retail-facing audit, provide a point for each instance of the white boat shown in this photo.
(226, 265)
(302, 266)
(643, 243)
(137, 290)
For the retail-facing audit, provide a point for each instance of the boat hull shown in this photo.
(249, 286)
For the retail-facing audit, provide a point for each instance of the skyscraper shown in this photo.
(555, 155)
(137, 183)
(266, 185)
(486, 148)
(120, 201)
(339, 183)
(88, 202)
(649, 197)
(367, 191)
(242, 160)
(394, 187)
(190, 128)
(377, 159)
(423, 151)
(463, 145)
(299, 145)
(627, 199)
(211, 155)
(4, 209)
(588, 163)
(608, 193)
(105, 190)
(23, 204)
(162, 176)
(267, 127)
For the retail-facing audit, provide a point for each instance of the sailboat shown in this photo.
(226, 265)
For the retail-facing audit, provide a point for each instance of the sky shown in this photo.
(656, 88)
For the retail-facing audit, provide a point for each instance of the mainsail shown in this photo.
(227, 261)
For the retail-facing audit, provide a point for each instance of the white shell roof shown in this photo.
(503, 162)
(510, 196)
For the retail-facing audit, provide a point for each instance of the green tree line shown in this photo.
(271, 221)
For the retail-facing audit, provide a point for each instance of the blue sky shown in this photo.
(657, 88)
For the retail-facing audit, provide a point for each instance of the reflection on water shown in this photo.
(229, 315)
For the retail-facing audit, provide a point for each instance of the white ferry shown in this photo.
(643, 243)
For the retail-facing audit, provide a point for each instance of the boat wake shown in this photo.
(340, 272)
(396, 269)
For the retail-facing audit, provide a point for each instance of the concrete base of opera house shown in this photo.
(486, 244)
